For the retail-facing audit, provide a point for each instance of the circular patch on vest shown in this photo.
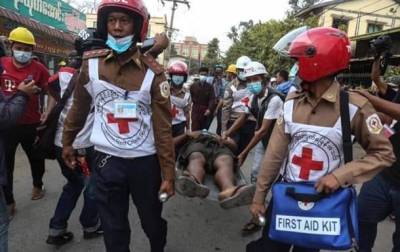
(165, 89)
(313, 155)
(374, 124)
(122, 133)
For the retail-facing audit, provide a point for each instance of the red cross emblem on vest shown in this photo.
(123, 123)
(245, 101)
(306, 163)
(174, 111)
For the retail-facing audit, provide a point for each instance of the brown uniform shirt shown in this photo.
(128, 75)
(326, 112)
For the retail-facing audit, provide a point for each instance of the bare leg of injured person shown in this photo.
(191, 183)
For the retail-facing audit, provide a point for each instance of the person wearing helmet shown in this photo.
(312, 116)
(231, 72)
(63, 84)
(236, 99)
(18, 68)
(180, 98)
(203, 98)
(132, 132)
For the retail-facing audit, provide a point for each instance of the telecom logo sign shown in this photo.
(305, 206)
(308, 225)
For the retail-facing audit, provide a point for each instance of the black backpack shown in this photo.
(258, 112)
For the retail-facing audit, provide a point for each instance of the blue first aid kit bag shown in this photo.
(303, 217)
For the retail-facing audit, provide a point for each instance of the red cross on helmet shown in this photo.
(178, 68)
(321, 52)
(136, 7)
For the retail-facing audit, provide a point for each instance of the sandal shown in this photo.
(187, 185)
(250, 228)
(242, 195)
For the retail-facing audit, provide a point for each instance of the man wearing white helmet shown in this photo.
(236, 97)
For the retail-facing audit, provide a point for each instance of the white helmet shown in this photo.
(254, 68)
(242, 62)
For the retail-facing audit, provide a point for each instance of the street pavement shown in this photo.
(194, 225)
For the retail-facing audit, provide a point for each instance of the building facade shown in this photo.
(356, 17)
(191, 49)
(54, 24)
(91, 20)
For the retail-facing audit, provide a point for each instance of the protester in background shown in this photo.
(219, 88)
(17, 68)
(203, 102)
(282, 81)
(11, 110)
(230, 74)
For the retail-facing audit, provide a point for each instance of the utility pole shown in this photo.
(171, 24)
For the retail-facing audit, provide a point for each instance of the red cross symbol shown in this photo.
(246, 101)
(306, 163)
(123, 123)
(174, 111)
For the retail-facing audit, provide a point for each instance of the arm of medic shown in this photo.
(275, 155)
(239, 122)
(76, 117)
(258, 136)
(379, 153)
(227, 102)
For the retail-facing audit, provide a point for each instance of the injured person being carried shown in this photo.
(203, 154)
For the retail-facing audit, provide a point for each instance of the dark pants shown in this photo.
(378, 198)
(219, 121)
(265, 244)
(244, 135)
(117, 179)
(199, 121)
(72, 190)
(24, 135)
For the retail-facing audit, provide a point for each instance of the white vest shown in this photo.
(314, 151)
(178, 106)
(82, 140)
(241, 99)
(126, 138)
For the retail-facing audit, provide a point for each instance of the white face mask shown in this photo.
(22, 56)
(203, 78)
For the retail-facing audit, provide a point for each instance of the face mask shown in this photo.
(203, 78)
(22, 57)
(119, 45)
(177, 80)
(241, 76)
(255, 87)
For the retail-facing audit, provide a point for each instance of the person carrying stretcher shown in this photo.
(204, 153)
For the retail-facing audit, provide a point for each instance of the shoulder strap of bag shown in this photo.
(68, 92)
(346, 126)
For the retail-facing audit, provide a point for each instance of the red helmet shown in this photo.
(178, 68)
(136, 7)
(321, 52)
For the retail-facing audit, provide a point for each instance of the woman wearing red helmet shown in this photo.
(131, 131)
(180, 98)
(306, 143)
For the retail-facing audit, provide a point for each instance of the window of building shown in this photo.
(374, 27)
(341, 24)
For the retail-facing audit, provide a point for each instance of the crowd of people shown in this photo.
(113, 113)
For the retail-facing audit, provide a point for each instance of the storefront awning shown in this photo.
(36, 25)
